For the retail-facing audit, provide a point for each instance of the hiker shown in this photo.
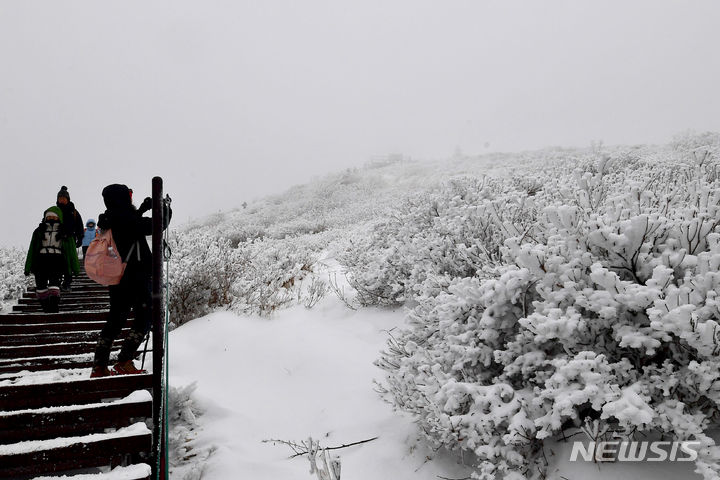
(50, 256)
(129, 229)
(72, 227)
(90, 234)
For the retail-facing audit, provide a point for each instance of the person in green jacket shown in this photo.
(52, 254)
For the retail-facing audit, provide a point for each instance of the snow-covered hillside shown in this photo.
(524, 299)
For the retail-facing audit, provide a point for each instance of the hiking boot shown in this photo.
(101, 372)
(53, 304)
(127, 368)
(45, 305)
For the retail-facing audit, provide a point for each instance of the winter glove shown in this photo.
(103, 223)
(62, 233)
(145, 205)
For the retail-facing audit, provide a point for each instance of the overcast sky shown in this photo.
(232, 100)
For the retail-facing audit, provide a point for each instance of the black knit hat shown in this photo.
(63, 193)
(117, 196)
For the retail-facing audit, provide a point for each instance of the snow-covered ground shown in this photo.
(310, 373)
(302, 373)
(241, 380)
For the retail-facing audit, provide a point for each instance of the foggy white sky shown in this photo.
(231, 100)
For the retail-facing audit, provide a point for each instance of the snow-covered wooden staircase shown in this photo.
(54, 419)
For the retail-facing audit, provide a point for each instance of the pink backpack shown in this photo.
(102, 260)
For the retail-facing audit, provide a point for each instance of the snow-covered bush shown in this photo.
(187, 460)
(454, 231)
(273, 274)
(697, 148)
(208, 272)
(202, 271)
(12, 279)
(605, 309)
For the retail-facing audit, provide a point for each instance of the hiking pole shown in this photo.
(147, 340)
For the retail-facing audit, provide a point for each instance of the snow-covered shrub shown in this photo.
(12, 279)
(273, 274)
(697, 148)
(202, 271)
(187, 460)
(605, 309)
(454, 231)
(208, 272)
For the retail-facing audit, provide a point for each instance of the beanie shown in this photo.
(53, 211)
(117, 196)
(63, 193)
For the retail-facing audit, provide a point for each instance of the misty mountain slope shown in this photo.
(568, 292)
(501, 304)
(368, 192)
(275, 241)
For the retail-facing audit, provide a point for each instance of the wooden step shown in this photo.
(21, 366)
(50, 338)
(64, 307)
(34, 318)
(61, 317)
(29, 459)
(52, 327)
(140, 471)
(89, 390)
(79, 300)
(68, 348)
(80, 288)
(46, 423)
(82, 282)
(66, 295)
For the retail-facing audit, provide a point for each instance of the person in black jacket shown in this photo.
(129, 229)
(73, 226)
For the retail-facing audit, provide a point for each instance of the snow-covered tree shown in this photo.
(12, 280)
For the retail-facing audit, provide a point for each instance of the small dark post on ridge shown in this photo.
(158, 330)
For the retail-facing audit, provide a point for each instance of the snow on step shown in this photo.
(70, 387)
(132, 472)
(137, 429)
(48, 376)
(59, 348)
(137, 396)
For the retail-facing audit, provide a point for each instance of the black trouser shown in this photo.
(133, 293)
(48, 271)
(85, 247)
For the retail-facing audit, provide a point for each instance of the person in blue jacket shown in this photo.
(90, 234)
